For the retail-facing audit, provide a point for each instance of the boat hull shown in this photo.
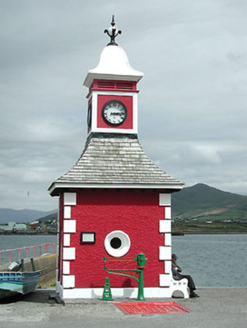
(18, 283)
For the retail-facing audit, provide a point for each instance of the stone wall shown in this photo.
(46, 264)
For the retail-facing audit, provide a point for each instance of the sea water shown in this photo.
(212, 260)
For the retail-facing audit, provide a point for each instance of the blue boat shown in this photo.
(14, 283)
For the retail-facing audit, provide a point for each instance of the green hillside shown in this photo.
(207, 203)
(202, 208)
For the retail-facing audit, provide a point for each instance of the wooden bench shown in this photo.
(180, 285)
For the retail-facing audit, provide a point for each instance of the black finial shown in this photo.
(112, 32)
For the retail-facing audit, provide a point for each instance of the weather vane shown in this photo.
(112, 31)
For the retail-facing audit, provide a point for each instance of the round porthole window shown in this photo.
(117, 243)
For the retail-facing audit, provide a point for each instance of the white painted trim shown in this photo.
(70, 198)
(61, 185)
(165, 226)
(135, 112)
(93, 76)
(165, 253)
(168, 213)
(58, 241)
(69, 281)
(165, 199)
(168, 267)
(125, 243)
(67, 212)
(68, 253)
(112, 130)
(95, 128)
(66, 239)
(97, 293)
(94, 111)
(69, 226)
(66, 267)
(168, 239)
(164, 280)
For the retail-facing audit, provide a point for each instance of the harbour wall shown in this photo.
(46, 264)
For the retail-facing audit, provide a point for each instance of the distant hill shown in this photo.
(200, 202)
(21, 216)
(50, 217)
(207, 203)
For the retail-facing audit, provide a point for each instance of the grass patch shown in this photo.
(214, 227)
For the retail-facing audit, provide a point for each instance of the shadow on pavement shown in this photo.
(38, 296)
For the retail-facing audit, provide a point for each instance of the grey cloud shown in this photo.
(192, 104)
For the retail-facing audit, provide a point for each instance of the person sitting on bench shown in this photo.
(176, 272)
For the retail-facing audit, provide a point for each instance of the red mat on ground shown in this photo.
(151, 307)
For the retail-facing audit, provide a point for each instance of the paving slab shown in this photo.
(218, 307)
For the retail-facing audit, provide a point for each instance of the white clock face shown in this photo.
(114, 112)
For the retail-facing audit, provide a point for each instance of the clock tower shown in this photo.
(114, 202)
(112, 97)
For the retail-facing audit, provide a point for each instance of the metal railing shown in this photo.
(14, 254)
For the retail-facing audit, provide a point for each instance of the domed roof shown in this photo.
(113, 65)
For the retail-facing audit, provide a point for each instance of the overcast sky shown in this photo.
(192, 100)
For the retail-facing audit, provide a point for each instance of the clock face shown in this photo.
(114, 113)
(89, 115)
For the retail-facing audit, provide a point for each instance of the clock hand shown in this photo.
(115, 114)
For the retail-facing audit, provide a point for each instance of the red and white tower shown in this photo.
(115, 201)
(112, 98)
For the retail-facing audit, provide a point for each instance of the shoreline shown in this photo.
(31, 233)
(173, 233)
(209, 233)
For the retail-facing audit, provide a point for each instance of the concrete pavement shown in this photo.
(220, 307)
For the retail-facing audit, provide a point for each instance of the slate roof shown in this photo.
(114, 162)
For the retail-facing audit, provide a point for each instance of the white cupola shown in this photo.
(112, 97)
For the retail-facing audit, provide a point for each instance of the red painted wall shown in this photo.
(126, 100)
(136, 213)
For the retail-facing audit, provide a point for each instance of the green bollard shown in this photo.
(141, 260)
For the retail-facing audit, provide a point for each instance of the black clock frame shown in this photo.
(89, 115)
